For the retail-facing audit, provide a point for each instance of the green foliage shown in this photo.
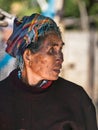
(2, 4)
(5, 4)
(71, 8)
(87, 2)
(94, 9)
(94, 12)
(28, 6)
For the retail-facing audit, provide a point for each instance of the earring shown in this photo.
(19, 74)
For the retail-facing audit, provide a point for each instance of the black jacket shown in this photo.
(62, 106)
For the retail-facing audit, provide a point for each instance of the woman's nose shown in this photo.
(60, 57)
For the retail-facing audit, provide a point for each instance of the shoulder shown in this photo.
(72, 93)
(67, 87)
(4, 82)
(66, 84)
(5, 86)
(4, 91)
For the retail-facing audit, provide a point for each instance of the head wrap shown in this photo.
(27, 30)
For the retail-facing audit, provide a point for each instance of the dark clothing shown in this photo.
(62, 106)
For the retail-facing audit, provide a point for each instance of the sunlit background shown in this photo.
(78, 21)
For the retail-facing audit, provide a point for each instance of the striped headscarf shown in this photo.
(27, 30)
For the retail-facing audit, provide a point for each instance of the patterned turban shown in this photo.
(27, 31)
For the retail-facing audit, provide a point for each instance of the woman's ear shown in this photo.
(27, 56)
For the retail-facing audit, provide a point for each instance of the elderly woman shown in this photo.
(33, 96)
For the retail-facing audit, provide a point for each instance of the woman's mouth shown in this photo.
(57, 70)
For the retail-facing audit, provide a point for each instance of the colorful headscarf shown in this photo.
(28, 30)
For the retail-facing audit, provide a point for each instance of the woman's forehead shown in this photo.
(53, 40)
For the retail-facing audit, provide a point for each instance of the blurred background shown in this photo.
(78, 21)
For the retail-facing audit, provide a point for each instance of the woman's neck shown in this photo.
(30, 78)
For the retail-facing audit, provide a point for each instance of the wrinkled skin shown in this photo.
(46, 63)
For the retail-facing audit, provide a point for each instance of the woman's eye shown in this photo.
(51, 51)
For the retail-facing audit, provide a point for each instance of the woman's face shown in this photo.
(47, 63)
